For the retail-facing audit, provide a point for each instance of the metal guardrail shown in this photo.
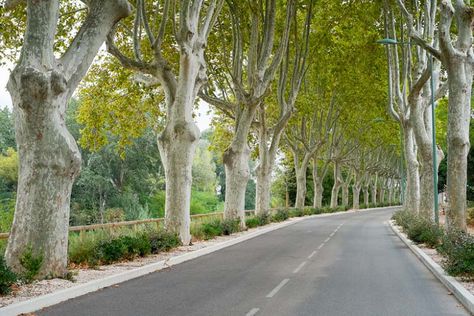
(133, 223)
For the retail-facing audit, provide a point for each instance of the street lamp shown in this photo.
(391, 41)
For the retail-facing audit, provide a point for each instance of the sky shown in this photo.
(203, 118)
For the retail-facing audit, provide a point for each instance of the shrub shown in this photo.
(263, 219)
(31, 263)
(308, 211)
(280, 216)
(136, 245)
(251, 222)
(230, 226)
(211, 229)
(403, 218)
(161, 240)
(109, 251)
(82, 247)
(297, 212)
(7, 277)
(425, 231)
(458, 249)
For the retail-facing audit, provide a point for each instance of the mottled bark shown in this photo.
(40, 87)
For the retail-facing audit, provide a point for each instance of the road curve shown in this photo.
(348, 264)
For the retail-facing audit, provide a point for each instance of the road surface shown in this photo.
(349, 264)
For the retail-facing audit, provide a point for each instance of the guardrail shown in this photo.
(134, 223)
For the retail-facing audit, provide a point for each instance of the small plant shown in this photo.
(230, 226)
(280, 216)
(163, 241)
(7, 277)
(211, 229)
(251, 222)
(31, 263)
(297, 212)
(263, 219)
(109, 251)
(458, 249)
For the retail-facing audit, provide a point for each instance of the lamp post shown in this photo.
(391, 41)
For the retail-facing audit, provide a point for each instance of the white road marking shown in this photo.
(327, 239)
(278, 288)
(252, 312)
(332, 234)
(321, 246)
(312, 254)
(299, 267)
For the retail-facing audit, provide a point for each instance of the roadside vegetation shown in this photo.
(456, 246)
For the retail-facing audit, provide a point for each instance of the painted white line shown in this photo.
(321, 246)
(327, 239)
(300, 267)
(278, 288)
(252, 312)
(332, 234)
(312, 254)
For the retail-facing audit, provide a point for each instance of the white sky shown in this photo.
(203, 118)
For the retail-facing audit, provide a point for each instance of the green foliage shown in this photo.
(31, 264)
(105, 247)
(230, 226)
(280, 215)
(9, 166)
(7, 277)
(458, 249)
(424, 231)
(264, 219)
(209, 230)
(296, 212)
(7, 210)
(161, 240)
(252, 222)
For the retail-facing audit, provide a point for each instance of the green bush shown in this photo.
(230, 226)
(161, 240)
(403, 218)
(296, 212)
(252, 222)
(109, 251)
(211, 229)
(280, 216)
(308, 211)
(136, 245)
(31, 263)
(7, 277)
(82, 247)
(458, 249)
(424, 231)
(263, 219)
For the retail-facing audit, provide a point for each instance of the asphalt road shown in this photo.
(350, 264)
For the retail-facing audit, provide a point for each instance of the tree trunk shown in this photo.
(356, 196)
(49, 159)
(336, 186)
(412, 199)
(459, 114)
(300, 187)
(264, 173)
(366, 195)
(318, 186)
(177, 144)
(345, 194)
(374, 190)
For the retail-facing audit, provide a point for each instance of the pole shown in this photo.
(433, 134)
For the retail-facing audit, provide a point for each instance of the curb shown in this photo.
(459, 291)
(60, 296)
